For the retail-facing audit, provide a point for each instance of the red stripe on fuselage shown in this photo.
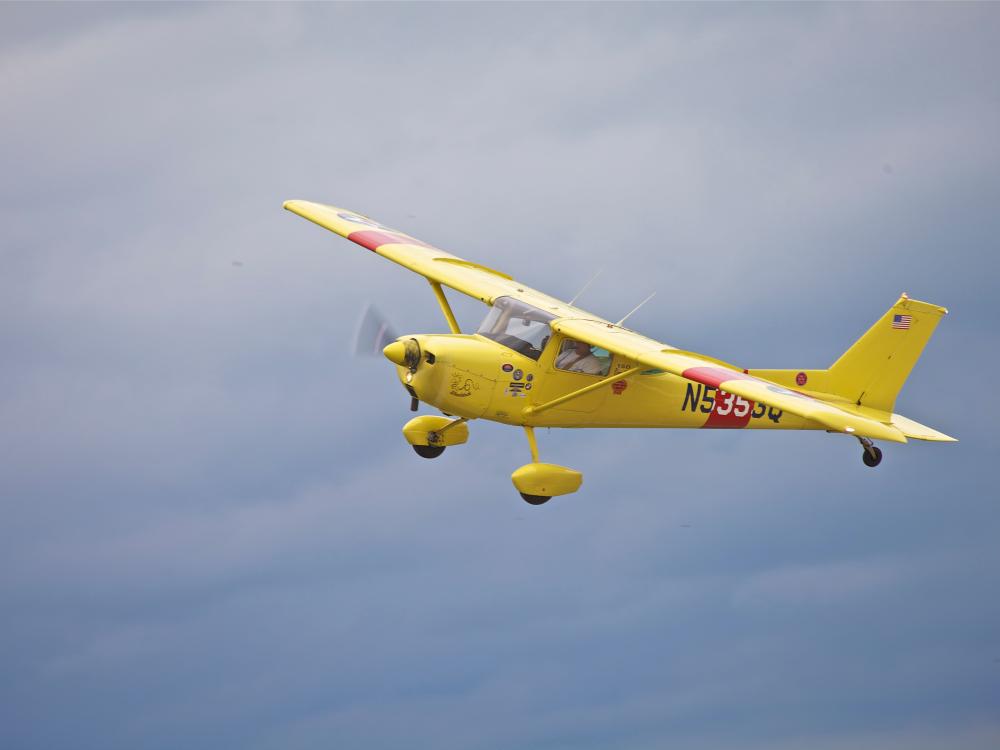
(737, 412)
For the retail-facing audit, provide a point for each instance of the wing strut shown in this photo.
(445, 307)
(533, 410)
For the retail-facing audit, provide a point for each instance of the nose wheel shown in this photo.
(872, 454)
(429, 435)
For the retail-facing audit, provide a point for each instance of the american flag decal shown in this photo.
(902, 321)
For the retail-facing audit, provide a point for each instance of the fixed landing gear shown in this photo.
(429, 436)
(538, 483)
(429, 451)
(535, 499)
(872, 454)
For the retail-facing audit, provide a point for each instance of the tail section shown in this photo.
(868, 376)
(872, 372)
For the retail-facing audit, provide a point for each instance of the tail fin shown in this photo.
(872, 372)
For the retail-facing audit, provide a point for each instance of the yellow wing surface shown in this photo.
(834, 410)
(473, 279)
(700, 369)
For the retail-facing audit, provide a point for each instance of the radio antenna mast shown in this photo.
(636, 308)
(585, 286)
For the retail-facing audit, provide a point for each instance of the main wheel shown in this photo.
(872, 457)
(535, 499)
(429, 451)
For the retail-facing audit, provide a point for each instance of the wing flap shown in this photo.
(725, 377)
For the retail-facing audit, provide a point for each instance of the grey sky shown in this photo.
(214, 534)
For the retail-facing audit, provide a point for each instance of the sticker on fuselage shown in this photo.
(516, 390)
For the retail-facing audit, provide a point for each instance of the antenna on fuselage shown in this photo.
(636, 308)
(585, 286)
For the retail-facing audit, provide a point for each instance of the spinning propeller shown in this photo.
(375, 334)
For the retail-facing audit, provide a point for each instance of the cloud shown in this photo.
(213, 531)
(828, 584)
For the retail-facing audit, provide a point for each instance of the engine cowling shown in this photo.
(455, 373)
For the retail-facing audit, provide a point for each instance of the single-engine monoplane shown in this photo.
(536, 361)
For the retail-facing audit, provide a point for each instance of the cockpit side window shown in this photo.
(579, 356)
(518, 326)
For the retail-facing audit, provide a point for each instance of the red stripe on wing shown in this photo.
(714, 376)
(375, 238)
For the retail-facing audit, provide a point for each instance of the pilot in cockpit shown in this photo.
(576, 356)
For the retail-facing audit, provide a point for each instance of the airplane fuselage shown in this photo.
(473, 377)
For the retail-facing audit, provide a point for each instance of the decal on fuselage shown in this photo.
(462, 386)
(726, 410)
(517, 389)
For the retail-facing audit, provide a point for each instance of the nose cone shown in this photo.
(396, 353)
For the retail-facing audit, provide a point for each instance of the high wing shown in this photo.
(711, 372)
(437, 266)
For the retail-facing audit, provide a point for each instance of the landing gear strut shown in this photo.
(872, 454)
(527, 496)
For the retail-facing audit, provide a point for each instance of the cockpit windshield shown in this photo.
(521, 327)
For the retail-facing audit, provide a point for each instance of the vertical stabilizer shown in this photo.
(873, 370)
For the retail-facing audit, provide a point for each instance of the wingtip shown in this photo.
(298, 207)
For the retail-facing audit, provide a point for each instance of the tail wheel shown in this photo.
(872, 456)
(533, 499)
(429, 451)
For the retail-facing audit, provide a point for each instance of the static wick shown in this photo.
(635, 308)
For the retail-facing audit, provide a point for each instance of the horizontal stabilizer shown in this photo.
(918, 431)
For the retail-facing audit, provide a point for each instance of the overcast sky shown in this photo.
(213, 533)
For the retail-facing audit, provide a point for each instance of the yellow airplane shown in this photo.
(538, 362)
